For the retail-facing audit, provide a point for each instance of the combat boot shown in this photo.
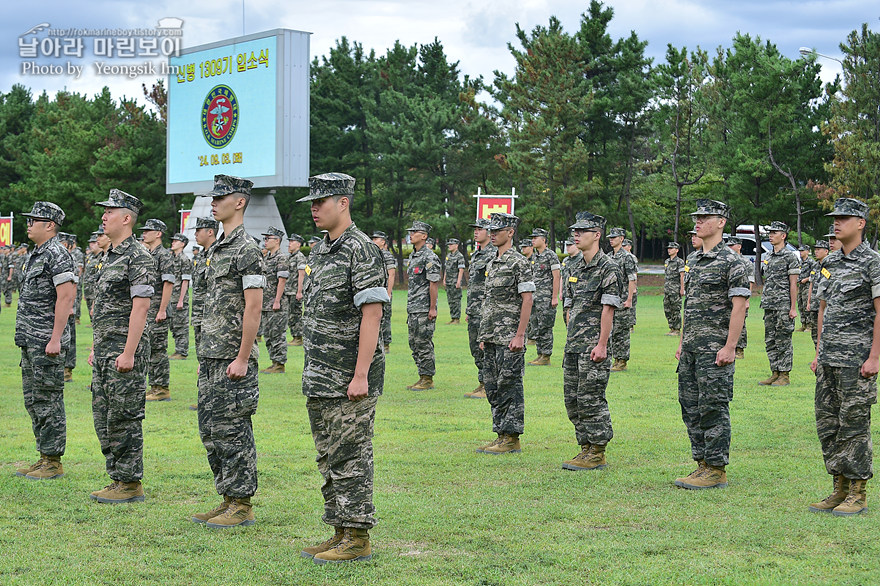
(672, 332)
(711, 477)
(530, 342)
(477, 393)
(276, 368)
(482, 449)
(310, 552)
(354, 547)
(68, 374)
(740, 354)
(541, 360)
(177, 356)
(508, 444)
(50, 469)
(592, 457)
(770, 380)
(159, 393)
(120, 492)
(32, 467)
(425, 383)
(298, 341)
(782, 380)
(837, 496)
(387, 348)
(238, 513)
(701, 467)
(453, 322)
(219, 509)
(619, 366)
(856, 502)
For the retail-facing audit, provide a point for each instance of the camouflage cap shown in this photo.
(120, 199)
(327, 184)
(711, 207)
(71, 238)
(154, 224)
(22, 246)
(63, 236)
(803, 248)
(273, 231)
(822, 244)
(100, 230)
(46, 210)
(847, 206)
(93, 237)
(419, 226)
(226, 184)
(588, 221)
(452, 241)
(779, 227)
(673, 244)
(181, 237)
(431, 241)
(540, 232)
(140, 238)
(627, 242)
(208, 224)
(314, 240)
(379, 234)
(616, 233)
(733, 241)
(525, 243)
(498, 221)
(296, 237)
(196, 249)
(569, 243)
(482, 223)
(831, 233)
(692, 232)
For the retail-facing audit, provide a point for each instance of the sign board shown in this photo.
(239, 107)
(6, 231)
(493, 204)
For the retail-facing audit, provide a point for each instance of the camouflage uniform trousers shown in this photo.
(160, 369)
(620, 334)
(843, 420)
(8, 288)
(704, 393)
(178, 323)
(672, 309)
(453, 297)
(70, 352)
(274, 330)
(778, 328)
(584, 383)
(476, 351)
(343, 434)
(544, 315)
(421, 342)
(42, 381)
(89, 300)
(814, 327)
(743, 341)
(803, 290)
(225, 408)
(503, 377)
(632, 314)
(77, 304)
(385, 327)
(295, 316)
(118, 400)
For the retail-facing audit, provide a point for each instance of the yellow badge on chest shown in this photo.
(208, 262)
(308, 270)
(572, 279)
(826, 273)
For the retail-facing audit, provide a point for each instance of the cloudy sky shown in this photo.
(473, 32)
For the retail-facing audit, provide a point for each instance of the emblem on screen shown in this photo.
(219, 116)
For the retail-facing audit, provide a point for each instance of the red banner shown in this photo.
(184, 219)
(492, 204)
(6, 231)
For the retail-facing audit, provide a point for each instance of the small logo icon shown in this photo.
(219, 116)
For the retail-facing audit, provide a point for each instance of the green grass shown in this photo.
(448, 515)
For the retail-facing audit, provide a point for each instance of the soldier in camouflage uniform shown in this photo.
(293, 288)
(17, 262)
(157, 318)
(847, 361)
(206, 236)
(453, 270)
(90, 272)
(735, 244)
(228, 370)
(628, 246)
(594, 288)
(121, 350)
(380, 239)
(572, 250)
(673, 288)
(178, 307)
(476, 292)
(622, 317)
(716, 290)
(423, 276)
(821, 250)
(507, 303)
(70, 354)
(47, 296)
(779, 300)
(545, 272)
(79, 260)
(804, 286)
(345, 289)
(275, 307)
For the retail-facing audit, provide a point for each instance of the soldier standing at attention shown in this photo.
(507, 304)
(716, 290)
(622, 317)
(157, 318)
(545, 272)
(628, 246)
(344, 367)
(673, 288)
(804, 286)
(453, 272)
(90, 272)
(779, 300)
(178, 308)
(423, 275)
(275, 309)
(475, 295)
(121, 350)
(594, 289)
(821, 252)
(847, 361)
(47, 295)
(572, 250)
(735, 244)
(206, 236)
(228, 380)
(293, 288)
(70, 355)
(380, 239)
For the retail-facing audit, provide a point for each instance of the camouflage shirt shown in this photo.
(806, 268)
(342, 276)
(90, 274)
(477, 278)
(507, 277)
(587, 289)
(182, 272)
(277, 267)
(454, 263)
(778, 265)
(79, 261)
(674, 267)
(711, 280)
(627, 264)
(816, 276)
(165, 267)
(422, 270)
(234, 264)
(126, 271)
(563, 273)
(297, 264)
(390, 261)
(50, 266)
(848, 290)
(199, 285)
(543, 265)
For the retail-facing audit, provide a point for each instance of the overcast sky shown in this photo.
(475, 33)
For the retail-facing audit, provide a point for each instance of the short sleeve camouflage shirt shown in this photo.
(543, 265)
(477, 278)
(777, 266)
(454, 263)
(422, 270)
(588, 288)
(277, 267)
(507, 277)
(50, 265)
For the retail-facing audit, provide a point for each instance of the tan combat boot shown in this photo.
(712, 477)
(701, 467)
(205, 517)
(837, 496)
(159, 394)
(541, 360)
(354, 547)
(508, 444)
(453, 322)
(477, 393)
(740, 354)
(575, 463)
(387, 348)
(276, 368)
(68, 374)
(50, 470)
(619, 366)
(120, 492)
(310, 552)
(425, 383)
(856, 502)
(770, 380)
(177, 356)
(530, 342)
(593, 458)
(238, 513)
(298, 341)
(782, 380)
(482, 449)
(31, 468)
(672, 332)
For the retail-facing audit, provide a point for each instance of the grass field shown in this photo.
(448, 515)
